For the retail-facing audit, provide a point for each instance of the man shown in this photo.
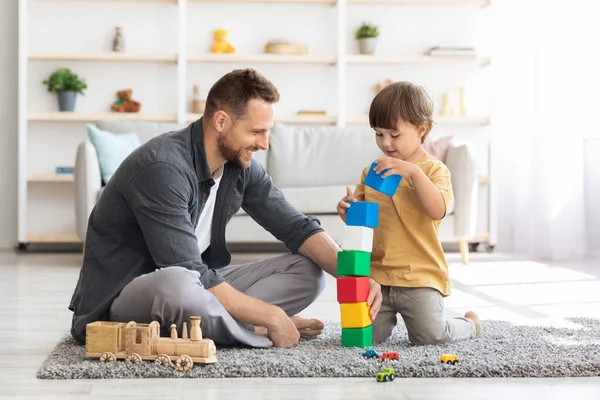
(155, 245)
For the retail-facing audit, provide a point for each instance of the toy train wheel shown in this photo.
(133, 358)
(108, 358)
(163, 360)
(184, 363)
(392, 377)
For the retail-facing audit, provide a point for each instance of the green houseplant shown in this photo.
(367, 35)
(66, 84)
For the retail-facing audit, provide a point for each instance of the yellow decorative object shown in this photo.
(221, 45)
(355, 315)
(447, 108)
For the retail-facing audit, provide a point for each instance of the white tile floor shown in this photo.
(35, 290)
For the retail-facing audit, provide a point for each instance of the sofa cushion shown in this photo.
(319, 156)
(111, 148)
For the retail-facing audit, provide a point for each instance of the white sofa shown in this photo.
(312, 165)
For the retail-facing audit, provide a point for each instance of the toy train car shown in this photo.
(135, 342)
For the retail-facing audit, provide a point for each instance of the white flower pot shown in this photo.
(367, 45)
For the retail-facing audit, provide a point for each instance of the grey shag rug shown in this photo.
(505, 350)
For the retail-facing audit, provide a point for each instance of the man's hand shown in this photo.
(282, 331)
(375, 298)
(394, 166)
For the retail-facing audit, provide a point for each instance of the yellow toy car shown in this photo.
(449, 359)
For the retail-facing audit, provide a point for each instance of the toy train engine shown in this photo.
(136, 342)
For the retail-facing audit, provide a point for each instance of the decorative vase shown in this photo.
(367, 45)
(66, 100)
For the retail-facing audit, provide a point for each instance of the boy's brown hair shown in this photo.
(234, 90)
(402, 101)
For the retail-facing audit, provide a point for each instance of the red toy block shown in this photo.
(352, 289)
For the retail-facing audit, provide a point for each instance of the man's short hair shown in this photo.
(234, 90)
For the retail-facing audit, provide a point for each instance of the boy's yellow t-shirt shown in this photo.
(406, 247)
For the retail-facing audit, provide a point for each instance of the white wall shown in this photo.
(592, 191)
(8, 123)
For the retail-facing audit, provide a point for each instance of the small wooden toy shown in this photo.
(355, 315)
(390, 355)
(386, 374)
(354, 263)
(221, 45)
(386, 185)
(359, 238)
(363, 213)
(352, 289)
(357, 337)
(135, 342)
(448, 359)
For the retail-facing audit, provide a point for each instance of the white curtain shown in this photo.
(546, 97)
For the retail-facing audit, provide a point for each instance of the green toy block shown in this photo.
(354, 263)
(357, 337)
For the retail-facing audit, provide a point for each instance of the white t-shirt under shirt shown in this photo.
(205, 222)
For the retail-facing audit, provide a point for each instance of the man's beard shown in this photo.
(230, 153)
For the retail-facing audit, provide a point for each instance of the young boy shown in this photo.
(407, 259)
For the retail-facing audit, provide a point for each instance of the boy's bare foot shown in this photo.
(261, 330)
(473, 317)
(308, 328)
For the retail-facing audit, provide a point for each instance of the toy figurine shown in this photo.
(221, 45)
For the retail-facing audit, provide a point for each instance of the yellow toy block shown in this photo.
(355, 315)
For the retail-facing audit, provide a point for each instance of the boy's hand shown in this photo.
(344, 203)
(394, 166)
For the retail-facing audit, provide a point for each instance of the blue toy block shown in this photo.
(384, 185)
(363, 213)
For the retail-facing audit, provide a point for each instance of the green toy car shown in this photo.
(386, 374)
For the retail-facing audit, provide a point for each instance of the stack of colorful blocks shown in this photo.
(354, 263)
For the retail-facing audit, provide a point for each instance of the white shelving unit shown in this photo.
(340, 60)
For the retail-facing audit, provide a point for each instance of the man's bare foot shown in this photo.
(261, 330)
(473, 317)
(308, 328)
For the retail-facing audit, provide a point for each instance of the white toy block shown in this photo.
(358, 238)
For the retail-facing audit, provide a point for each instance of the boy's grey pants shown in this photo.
(171, 295)
(422, 310)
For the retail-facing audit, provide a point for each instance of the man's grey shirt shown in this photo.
(147, 214)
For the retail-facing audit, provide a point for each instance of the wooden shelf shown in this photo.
(439, 119)
(103, 56)
(262, 58)
(119, 1)
(52, 178)
(327, 2)
(290, 119)
(92, 117)
(54, 238)
(417, 60)
(482, 3)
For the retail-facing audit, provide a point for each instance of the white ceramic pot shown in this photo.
(367, 45)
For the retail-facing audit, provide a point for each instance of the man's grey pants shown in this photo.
(171, 295)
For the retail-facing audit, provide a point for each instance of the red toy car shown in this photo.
(390, 355)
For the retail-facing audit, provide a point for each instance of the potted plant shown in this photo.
(367, 35)
(66, 84)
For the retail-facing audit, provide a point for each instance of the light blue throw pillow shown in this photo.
(111, 148)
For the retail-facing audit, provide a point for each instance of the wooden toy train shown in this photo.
(135, 342)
